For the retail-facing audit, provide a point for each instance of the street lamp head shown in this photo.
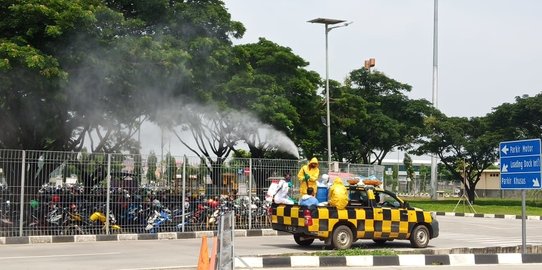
(326, 21)
(341, 25)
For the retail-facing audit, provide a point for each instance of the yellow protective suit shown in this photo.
(313, 173)
(338, 195)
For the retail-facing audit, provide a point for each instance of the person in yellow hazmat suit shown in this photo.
(338, 195)
(308, 175)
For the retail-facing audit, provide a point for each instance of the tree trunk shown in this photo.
(470, 194)
(217, 177)
(259, 172)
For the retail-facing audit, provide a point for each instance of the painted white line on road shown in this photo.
(54, 256)
(163, 268)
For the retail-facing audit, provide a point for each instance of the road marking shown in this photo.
(474, 240)
(53, 256)
(163, 268)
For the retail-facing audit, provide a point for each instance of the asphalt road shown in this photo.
(455, 232)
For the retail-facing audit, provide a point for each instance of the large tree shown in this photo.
(466, 147)
(34, 108)
(268, 95)
(177, 55)
(519, 120)
(72, 70)
(212, 137)
(94, 68)
(272, 83)
(372, 115)
(269, 100)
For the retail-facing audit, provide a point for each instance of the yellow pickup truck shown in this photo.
(372, 213)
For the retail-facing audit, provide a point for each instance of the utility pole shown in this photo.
(434, 183)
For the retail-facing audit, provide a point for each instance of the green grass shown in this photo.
(481, 205)
(355, 252)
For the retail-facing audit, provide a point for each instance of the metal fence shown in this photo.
(66, 193)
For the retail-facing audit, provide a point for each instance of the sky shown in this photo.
(489, 51)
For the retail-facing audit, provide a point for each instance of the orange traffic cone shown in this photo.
(212, 263)
(203, 261)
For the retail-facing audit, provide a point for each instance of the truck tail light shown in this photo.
(308, 217)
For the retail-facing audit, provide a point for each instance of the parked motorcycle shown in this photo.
(6, 218)
(182, 220)
(159, 216)
(73, 221)
(203, 211)
(98, 218)
(225, 206)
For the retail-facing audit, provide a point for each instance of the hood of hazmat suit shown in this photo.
(338, 195)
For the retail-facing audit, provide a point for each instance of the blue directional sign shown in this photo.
(520, 164)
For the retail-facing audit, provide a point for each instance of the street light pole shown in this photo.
(434, 169)
(327, 23)
(328, 121)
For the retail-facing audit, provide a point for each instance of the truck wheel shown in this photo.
(419, 238)
(342, 237)
(303, 242)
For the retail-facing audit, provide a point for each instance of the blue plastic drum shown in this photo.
(321, 195)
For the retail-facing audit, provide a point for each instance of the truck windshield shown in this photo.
(387, 200)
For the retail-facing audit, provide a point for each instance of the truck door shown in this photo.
(394, 217)
(365, 215)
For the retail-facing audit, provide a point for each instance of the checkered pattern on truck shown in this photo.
(370, 223)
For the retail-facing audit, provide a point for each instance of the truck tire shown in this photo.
(419, 238)
(342, 237)
(303, 242)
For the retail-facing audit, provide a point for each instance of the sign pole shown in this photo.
(523, 222)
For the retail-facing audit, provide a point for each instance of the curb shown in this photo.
(45, 239)
(196, 234)
(487, 215)
(399, 260)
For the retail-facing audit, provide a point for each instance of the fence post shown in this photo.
(21, 217)
(108, 195)
(250, 194)
(183, 199)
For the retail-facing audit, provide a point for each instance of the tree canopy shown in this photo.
(374, 117)
(95, 68)
(466, 147)
(272, 82)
